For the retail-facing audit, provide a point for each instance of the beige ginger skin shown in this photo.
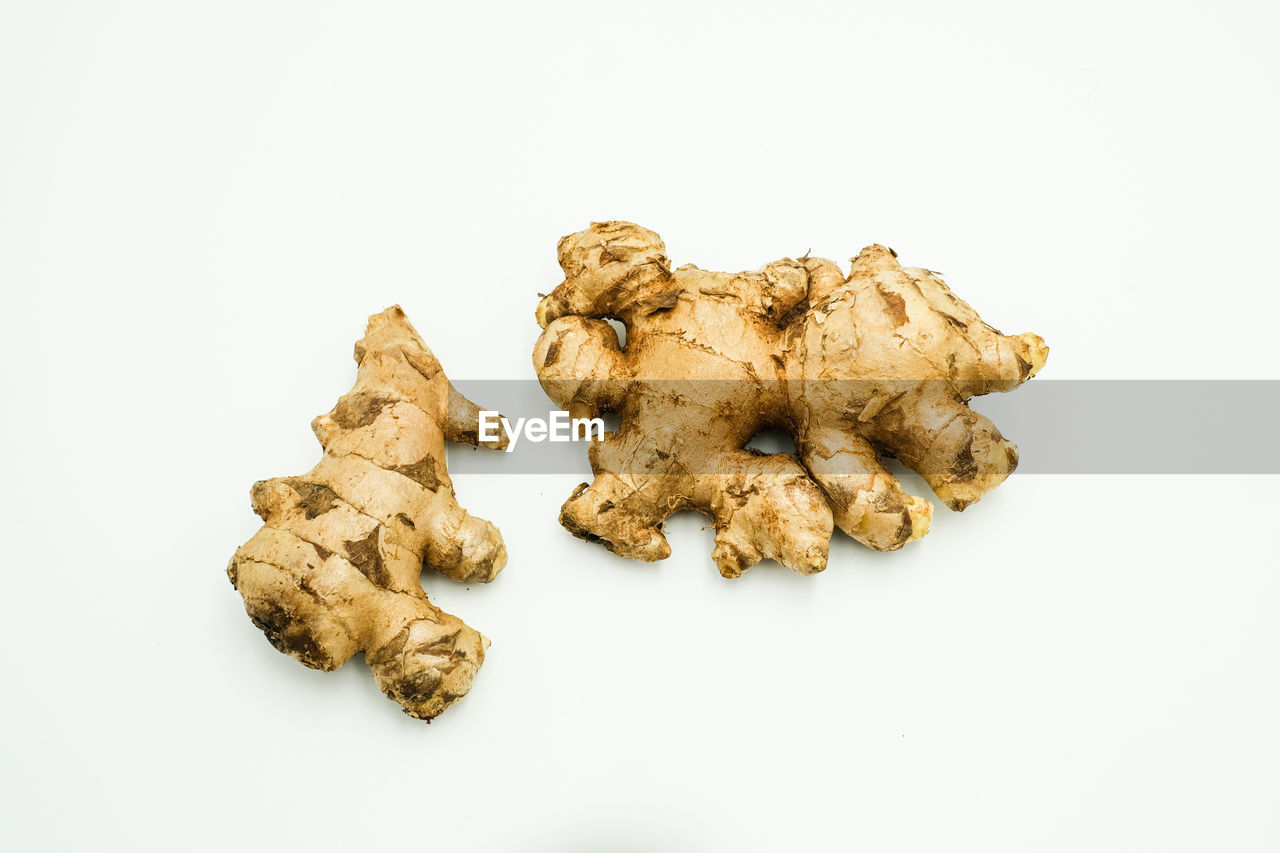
(855, 367)
(335, 567)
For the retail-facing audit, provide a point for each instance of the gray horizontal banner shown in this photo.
(1059, 426)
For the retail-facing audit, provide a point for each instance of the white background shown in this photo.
(200, 204)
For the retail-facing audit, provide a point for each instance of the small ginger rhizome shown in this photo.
(335, 568)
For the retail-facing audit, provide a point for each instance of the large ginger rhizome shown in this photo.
(879, 362)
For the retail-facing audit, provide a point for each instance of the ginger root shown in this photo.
(879, 362)
(335, 567)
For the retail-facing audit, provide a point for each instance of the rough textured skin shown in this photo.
(335, 567)
(879, 362)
